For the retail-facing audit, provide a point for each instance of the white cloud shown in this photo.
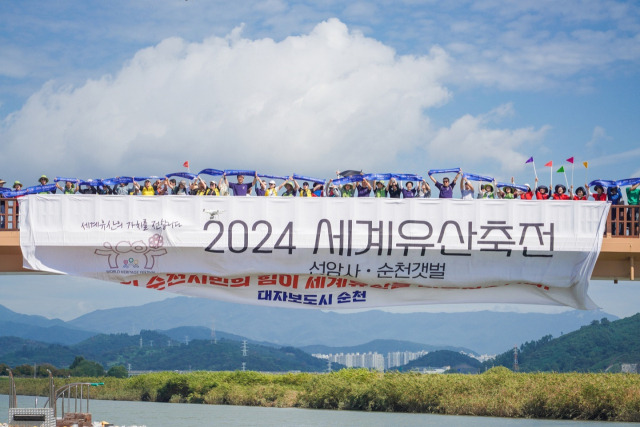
(329, 99)
(470, 141)
(236, 103)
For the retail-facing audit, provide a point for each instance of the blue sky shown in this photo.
(120, 87)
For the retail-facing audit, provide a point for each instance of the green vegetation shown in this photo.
(154, 351)
(601, 346)
(497, 392)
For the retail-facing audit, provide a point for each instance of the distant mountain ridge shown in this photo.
(484, 332)
(596, 347)
(380, 346)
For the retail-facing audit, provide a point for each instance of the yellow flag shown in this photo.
(586, 164)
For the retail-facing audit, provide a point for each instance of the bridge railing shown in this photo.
(8, 214)
(623, 220)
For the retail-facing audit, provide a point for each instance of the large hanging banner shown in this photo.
(327, 253)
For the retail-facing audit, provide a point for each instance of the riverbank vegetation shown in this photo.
(498, 392)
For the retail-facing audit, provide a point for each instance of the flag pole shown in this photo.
(534, 169)
(565, 178)
(550, 178)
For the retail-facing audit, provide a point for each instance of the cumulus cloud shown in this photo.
(312, 103)
(470, 141)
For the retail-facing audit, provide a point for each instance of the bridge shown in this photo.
(619, 253)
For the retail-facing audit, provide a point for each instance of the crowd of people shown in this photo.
(347, 184)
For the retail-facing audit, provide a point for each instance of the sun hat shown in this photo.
(43, 177)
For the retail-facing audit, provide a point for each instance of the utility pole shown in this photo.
(244, 353)
(516, 368)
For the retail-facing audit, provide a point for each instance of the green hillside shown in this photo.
(601, 346)
(457, 362)
(153, 351)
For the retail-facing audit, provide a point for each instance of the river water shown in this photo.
(151, 414)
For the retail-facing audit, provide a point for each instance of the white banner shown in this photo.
(327, 253)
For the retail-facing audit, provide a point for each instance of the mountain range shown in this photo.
(481, 332)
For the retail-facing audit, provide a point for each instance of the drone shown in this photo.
(212, 214)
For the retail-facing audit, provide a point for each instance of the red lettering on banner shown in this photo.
(176, 279)
(156, 282)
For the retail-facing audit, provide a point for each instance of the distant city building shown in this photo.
(372, 360)
(629, 368)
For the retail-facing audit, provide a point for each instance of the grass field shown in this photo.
(497, 392)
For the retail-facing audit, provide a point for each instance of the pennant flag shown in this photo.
(549, 164)
(186, 164)
(529, 161)
(561, 169)
(570, 160)
(586, 164)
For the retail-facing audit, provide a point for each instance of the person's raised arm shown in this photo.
(456, 178)
(295, 182)
(435, 181)
(367, 183)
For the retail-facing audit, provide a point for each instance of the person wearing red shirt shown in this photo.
(561, 193)
(600, 195)
(581, 194)
(542, 192)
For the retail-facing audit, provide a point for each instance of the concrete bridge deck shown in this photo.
(619, 253)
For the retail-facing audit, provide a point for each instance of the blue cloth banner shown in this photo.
(11, 194)
(307, 178)
(150, 178)
(118, 180)
(59, 178)
(377, 176)
(284, 178)
(432, 171)
(239, 172)
(474, 177)
(347, 180)
(4, 189)
(627, 182)
(212, 172)
(40, 189)
(92, 182)
(517, 187)
(187, 175)
(603, 182)
(406, 177)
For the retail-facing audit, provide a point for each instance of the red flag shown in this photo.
(550, 163)
(186, 164)
(570, 160)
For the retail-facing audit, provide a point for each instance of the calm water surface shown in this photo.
(153, 414)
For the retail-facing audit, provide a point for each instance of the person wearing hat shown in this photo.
(379, 189)
(466, 189)
(486, 192)
(633, 214)
(560, 193)
(305, 191)
(213, 189)
(272, 190)
(509, 192)
(17, 185)
(290, 187)
(542, 192)
(525, 195)
(581, 194)
(600, 195)
(43, 180)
